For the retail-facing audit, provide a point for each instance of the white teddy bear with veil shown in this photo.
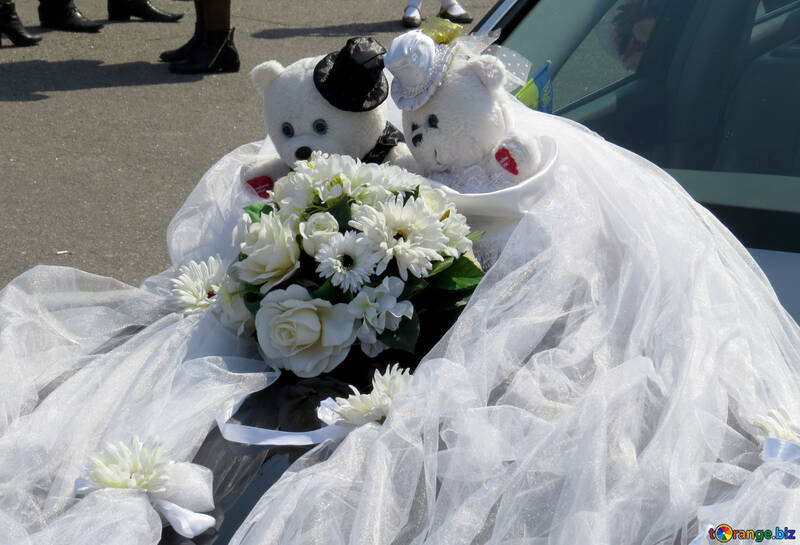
(456, 116)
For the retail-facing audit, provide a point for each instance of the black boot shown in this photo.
(215, 53)
(183, 52)
(11, 26)
(65, 16)
(123, 10)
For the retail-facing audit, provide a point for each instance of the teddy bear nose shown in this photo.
(416, 139)
(303, 153)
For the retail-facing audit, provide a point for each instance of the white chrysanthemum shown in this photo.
(317, 230)
(293, 193)
(379, 310)
(348, 260)
(359, 409)
(454, 225)
(197, 284)
(406, 231)
(231, 308)
(393, 383)
(777, 425)
(139, 465)
(331, 175)
(272, 252)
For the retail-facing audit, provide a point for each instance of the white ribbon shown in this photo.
(780, 450)
(187, 523)
(262, 437)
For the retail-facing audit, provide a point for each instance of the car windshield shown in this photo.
(706, 89)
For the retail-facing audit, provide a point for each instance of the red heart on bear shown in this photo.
(261, 185)
(503, 157)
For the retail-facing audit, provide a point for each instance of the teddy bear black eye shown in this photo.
(287, 130)
(414, 127)
(433, 121)
(320, 126)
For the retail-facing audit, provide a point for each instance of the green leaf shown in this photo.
(413, 286)
(440, 266)
(475, 236)
(252, 300)
(462, 275)
(255, 211)
(445, 300)
(250, 288)
(242, 256)
(325, 291)
(404, 337)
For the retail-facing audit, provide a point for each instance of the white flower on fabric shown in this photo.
(197, 284)
(779, 426)
(179, 491)
(359, 409)
(454, 225)
(317, 230)
(406, 231)
(304, 335)
(348, 260)
(140, 465)
(232, 311)
(379, 310)
(272, 253)
(293, 193)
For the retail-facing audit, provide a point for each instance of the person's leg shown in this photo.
(11, 26)
(452, 11)
(412, 17)
(65, 15)
(123, 10)
(183, 52)
(215, 52)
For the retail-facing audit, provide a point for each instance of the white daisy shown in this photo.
(406, 231)
(347, 259)
(139, 465)
(197, 284)
(454, 225)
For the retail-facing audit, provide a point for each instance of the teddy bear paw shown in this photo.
(518, 156)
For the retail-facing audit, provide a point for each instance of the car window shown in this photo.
(709, 90)
(610, 52)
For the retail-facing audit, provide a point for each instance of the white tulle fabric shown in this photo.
(599, 388)
(86, 360)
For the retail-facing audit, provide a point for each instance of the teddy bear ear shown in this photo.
(265, 73)
(490, 71)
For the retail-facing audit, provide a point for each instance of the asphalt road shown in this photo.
(100, 144)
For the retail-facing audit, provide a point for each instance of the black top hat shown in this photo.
(352, 79)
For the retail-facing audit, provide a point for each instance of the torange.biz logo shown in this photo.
(725, 533)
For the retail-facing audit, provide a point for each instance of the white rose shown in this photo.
(272, 253)
(317, 230)
(304, 335)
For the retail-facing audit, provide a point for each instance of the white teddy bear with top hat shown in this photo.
(334, 104)
(456, 111)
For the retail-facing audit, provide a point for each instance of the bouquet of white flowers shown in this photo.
(344, 253)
